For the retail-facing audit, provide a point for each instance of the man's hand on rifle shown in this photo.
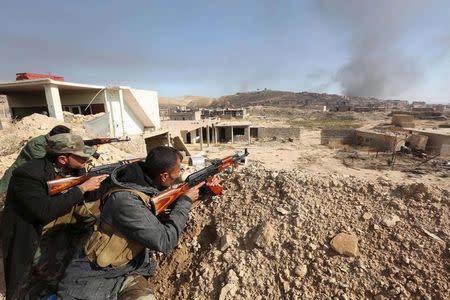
(194, 192)
(92, 183)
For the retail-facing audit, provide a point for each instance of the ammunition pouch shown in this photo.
(81, 218)
(107, 247)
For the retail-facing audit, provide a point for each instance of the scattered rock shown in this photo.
(228, 291)
(301, 271)
(391, 221)
(232, 277)
(264, 235)
(345, 244)
(282, 211)
(226, 241)
(367, 216)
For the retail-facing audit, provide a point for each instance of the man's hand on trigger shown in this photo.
(93, 183)
(193, 192)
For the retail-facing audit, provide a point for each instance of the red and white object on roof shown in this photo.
(28, 76)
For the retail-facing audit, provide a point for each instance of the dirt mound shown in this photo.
(269, 237)
(18, 134)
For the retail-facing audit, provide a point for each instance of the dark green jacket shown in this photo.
(35, 148)
(27, 209)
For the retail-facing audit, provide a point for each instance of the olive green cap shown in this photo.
(66, 143)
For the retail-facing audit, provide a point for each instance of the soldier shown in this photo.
(114, 263)
(28, 208)
(34, 148)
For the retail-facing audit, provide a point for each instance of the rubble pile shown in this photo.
(296, 235)
(13, 139)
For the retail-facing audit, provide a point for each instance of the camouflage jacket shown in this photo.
(34, 148)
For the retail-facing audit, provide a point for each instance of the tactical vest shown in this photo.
(106, 246)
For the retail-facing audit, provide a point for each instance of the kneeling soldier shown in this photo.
(28, 208)
(114, 263)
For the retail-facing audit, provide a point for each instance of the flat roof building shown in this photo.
(127, 110)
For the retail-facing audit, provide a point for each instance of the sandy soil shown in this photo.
(294, 197)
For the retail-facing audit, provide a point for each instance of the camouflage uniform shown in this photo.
(35, 148)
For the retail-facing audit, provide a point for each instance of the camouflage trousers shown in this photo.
(50, 261)
(135, 288)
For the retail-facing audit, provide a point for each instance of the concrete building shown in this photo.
(127, 110)
(192, 132)
(375, 141)
(403, 120)
(337, 137)
(438, 141)
(341, 106)
(396, 104)
(418, 104)
(182, 115)
(231, 132)
(227, 113)
(262, 132)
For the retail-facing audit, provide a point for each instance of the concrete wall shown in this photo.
(148, 100)
(74, 98)
(403, 120)
(32, 99)
(437, 143)
(378, 141)
(338, 136)
(131, 122)
(279, 132)
(186, 115)
(417, 141)
(155, 141)
(98, 126)
(114, 110)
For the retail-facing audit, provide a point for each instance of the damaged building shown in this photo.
(433, 142)
(126, 110)
(225, 113)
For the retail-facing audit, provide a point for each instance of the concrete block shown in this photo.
(417, 141)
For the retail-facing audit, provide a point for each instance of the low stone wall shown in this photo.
(379, 141)
(403, 120)
(334, 137)
(278, 132)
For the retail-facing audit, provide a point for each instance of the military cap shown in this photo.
(68, 143)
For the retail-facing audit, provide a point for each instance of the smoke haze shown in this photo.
(378, 64)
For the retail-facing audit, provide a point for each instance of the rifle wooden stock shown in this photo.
(161, 202)
(59, 185)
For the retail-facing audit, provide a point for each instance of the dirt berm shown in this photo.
(269, 237)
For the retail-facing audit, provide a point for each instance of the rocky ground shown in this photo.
(297, 223)
(270, 236)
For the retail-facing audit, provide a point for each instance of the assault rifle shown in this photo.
(60, 185)
(101, 141)
(162, 201)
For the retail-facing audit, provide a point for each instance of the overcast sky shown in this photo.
(386, 49)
